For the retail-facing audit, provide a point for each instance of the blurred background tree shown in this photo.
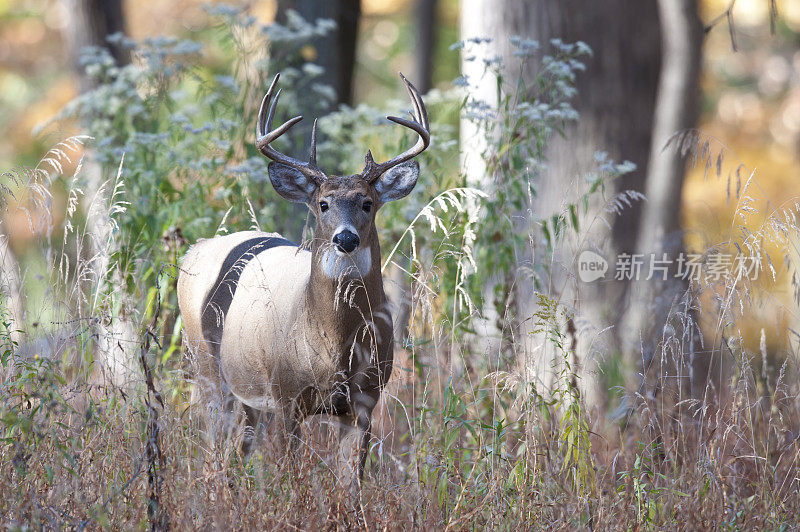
(90, 22)
(615, 100)
(336, 51)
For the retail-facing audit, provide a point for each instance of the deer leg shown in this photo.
(363, 450)
(290, 430)
(354, 436)
(208, 396)
(252, 420)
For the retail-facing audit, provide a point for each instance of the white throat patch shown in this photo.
(336, 264)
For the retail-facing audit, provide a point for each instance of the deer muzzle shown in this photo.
(346, 241)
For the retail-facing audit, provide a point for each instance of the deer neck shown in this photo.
(339, 306)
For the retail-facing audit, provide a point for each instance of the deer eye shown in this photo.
(367, 206)
(323, 206)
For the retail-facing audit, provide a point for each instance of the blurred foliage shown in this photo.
(751, 116)
(386, 46)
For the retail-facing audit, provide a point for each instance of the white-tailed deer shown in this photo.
(297, 331)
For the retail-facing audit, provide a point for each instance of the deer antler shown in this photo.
(419, 123)
(263, 138)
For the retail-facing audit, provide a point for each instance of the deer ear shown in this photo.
(397, 182)
(290, 183)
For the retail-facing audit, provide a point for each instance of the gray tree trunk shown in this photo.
(11, 289)
(90, 23)
(616, 101)
(659, 232)
(12, 309)
(426, 40)
(336, 52)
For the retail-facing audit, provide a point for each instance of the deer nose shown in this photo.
(346, 241)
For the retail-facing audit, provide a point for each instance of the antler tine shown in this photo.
(419, 124)
(271, 113)
(265, 135)
(261, 125)
(312, 156)
(421, 114)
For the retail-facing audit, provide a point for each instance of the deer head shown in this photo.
(344, 206)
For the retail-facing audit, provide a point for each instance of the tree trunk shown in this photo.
(336, 52)
(659, 231)
(616, 99)
(11, 290)
(117, 335)
(426, 40)
(89, 23)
